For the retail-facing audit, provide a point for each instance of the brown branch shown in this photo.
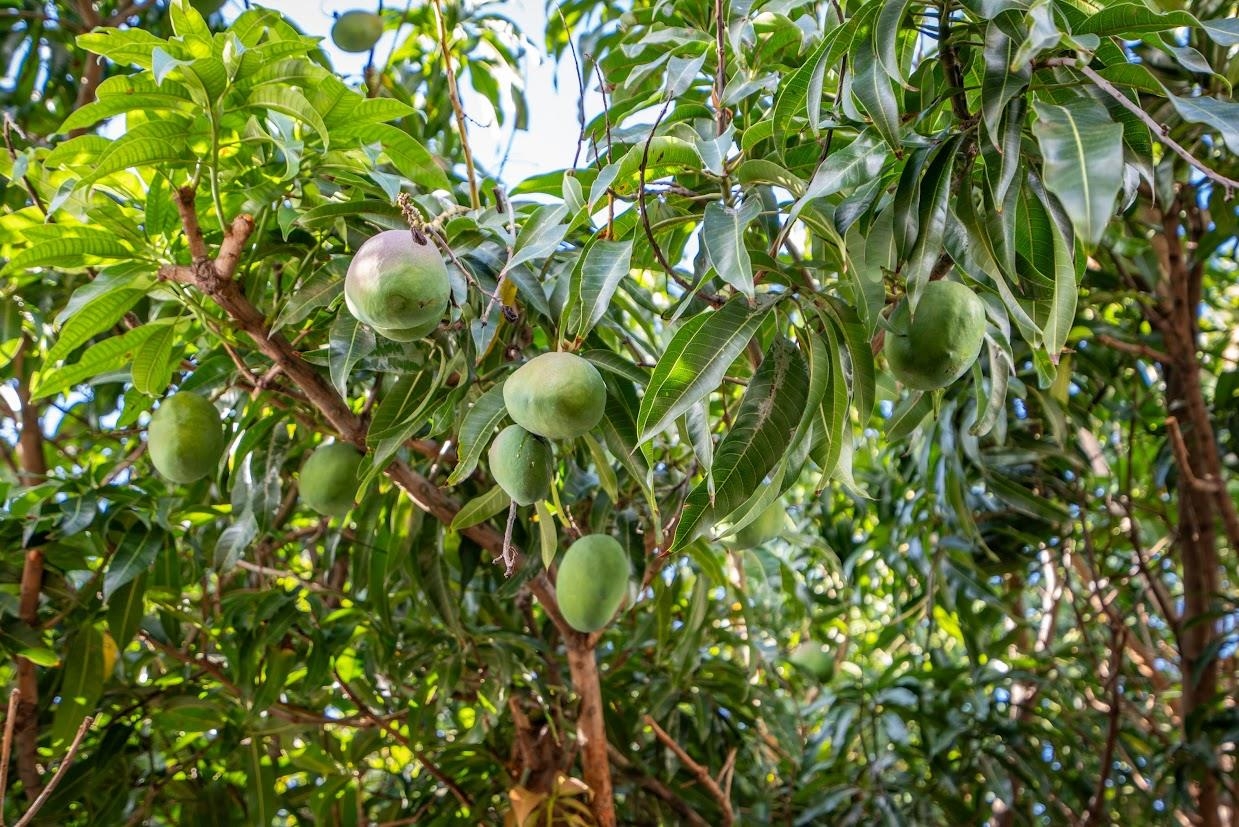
(701, 773)
(457, 107)
(369, 714)
(1095, 814)
(722, 114)
(1160, 130)
(657, 788)
(1206, 484)
(6, 747)
(591, 728)
(950, 63)
(1138, 350)
(60, 772)
(34, 470)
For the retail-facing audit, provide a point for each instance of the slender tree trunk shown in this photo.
(1195, 448)
(34, 470)
(591, 725)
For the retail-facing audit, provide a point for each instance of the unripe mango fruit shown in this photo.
(185, 437)
(398, 286)
(592, 582)
(556, 395)
(939, 344)
(357, 31)
(521, 464)
(814, 659)
(329, 479)
(765, 527)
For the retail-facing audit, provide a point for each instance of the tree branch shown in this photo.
(701, 773)
(457, 107)
(60, 772)
(1160, 130)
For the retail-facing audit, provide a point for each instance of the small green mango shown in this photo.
(521, 464)
(556, 395)
(814, 659)
(397, 286)
(185, 438)
(941, 342)
(592, 582)
(329, 479)
(357, 31)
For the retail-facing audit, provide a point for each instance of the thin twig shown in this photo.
(722, 115)
(1206, 484)
(60, 771)
(505, 556)
(1135, 349)
(386, 725)
(1160, 130)
(701, 773)
(457, 107)
(6, 747)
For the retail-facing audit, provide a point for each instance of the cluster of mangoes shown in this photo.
(398, 284)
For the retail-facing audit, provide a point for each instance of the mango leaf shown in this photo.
(318, 290)
(695, 362)
(80, 686)
(291, 101)
(481, 508)
(540, 235)
(548, 537)
(135, 554)
(759, 437)
(92, 318)
(403, 411)
(873, 90)
(1000, 83)
(1127, 19)
(602, 267)
(1220, 115)
(73, 248)
(101, 357)
(844, 169)
(349, 342)
(126, 608)
(722, 232)
(154, 362)
(1082, 152)
(476, 429)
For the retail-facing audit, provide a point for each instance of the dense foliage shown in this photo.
(1009, 599)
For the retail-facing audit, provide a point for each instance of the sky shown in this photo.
(550, 141)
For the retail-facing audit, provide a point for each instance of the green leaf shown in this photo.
(603, 266)
(262, 802)
(78, 247)
(481, 508)
(126, 608)
(108, 355)
(153, 362)
(318, 290)
(541, 233)
(681, 72)
(758, 438)
(476, 429)
(80, 686)
(844, 169)
(133, 152)
(406, 154)
(404, 410)
(933, 214)
(548, 537)
(135, 554)
(1000, 82)
(1127, 19)
(873, 90)
(1063, 310)
(188, 714)
(92, 318)
(349, 342)
(1220, 115)
(291, 101)
(695, 362)
(1224, 31)
(234, 540)
(722, 233)
(1082, 152)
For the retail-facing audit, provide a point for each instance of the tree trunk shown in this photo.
(1195, 449)
(591, 727)
(34, 470)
